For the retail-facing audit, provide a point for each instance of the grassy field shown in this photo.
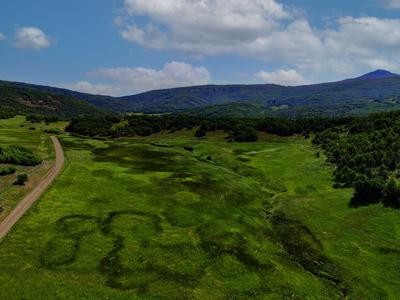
(145, 218)
(18, 132)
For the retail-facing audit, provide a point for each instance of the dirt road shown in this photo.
(33, 196)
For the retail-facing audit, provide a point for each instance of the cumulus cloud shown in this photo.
(395, 4)
(202, 27)
(2, 36)
(282, 77)
(95, 89)
(267, 30)
(31, 38)
(124, 81)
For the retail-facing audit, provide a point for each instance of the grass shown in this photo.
(17, 132)
(129, 219)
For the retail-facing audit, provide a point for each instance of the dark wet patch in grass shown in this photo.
(140, 157)
(305, 249)
(63, 248)
(102, 173)
(76, 144)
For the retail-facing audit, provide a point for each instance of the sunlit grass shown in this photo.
(128, 219)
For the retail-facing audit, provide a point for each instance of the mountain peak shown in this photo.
(378, 74)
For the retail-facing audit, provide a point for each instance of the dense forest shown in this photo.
(365, 150)
(15, 99)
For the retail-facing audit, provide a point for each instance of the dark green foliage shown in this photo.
(18, 156)
(239, 129)
(189, 148)
(366, 152)
(7, 171)
(6, 114)
(392, 193)
(92, 126)
(201, 132)
(21, 179)
(55, 131)
(41, 105)
(37, 118)
(244, 133)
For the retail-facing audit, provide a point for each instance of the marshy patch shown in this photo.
(102, 173)
(304, 248)
(140, 157)
(77, 144)
(183, 217)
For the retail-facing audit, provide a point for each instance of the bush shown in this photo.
(8, 171)
(18, 156)
(53, 131)
(201, 132)
(392, 193)
(189, 148)
(243, 134)
(21, 179)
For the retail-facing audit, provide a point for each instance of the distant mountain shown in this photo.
(16, 98)
(379, 74)
(375, 91)
(379, 90)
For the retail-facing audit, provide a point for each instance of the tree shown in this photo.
(368, 191)
(7, 171)
(21, 179)
(392, 193)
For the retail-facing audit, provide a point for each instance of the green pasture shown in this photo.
(143, 218)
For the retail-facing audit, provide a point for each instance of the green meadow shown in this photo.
(17, 132)
(144, 218)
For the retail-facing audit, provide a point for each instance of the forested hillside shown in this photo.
(373, 92)
(24, 100)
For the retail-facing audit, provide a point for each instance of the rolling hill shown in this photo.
(18, 98)
(379, 90)
(375, 91)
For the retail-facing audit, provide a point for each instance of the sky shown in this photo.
(123, 47)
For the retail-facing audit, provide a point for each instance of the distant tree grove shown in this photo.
(365, 150)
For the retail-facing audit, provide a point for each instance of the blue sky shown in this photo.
(128, 46)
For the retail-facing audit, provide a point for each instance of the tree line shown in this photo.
(365, 150)
(366, 153)
(237, 129)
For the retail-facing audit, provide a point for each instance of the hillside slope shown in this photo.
(21, 99)
(375, 91)
(358, 95)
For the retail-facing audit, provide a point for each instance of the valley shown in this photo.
(173, 216)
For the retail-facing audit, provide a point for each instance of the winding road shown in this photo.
(33, 196)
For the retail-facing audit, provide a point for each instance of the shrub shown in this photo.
(189, 148)
(7, 171)
(21, 179)
(392, 193)
(18, 156)
(55, 131)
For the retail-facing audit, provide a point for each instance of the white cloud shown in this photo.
(31, 38)
(2, 36)
(124, 81)
(267, 30)
(202, 27)
(95, 89)
(395, 4)
(282, 77)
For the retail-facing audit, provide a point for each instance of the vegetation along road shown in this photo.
(32, 197)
